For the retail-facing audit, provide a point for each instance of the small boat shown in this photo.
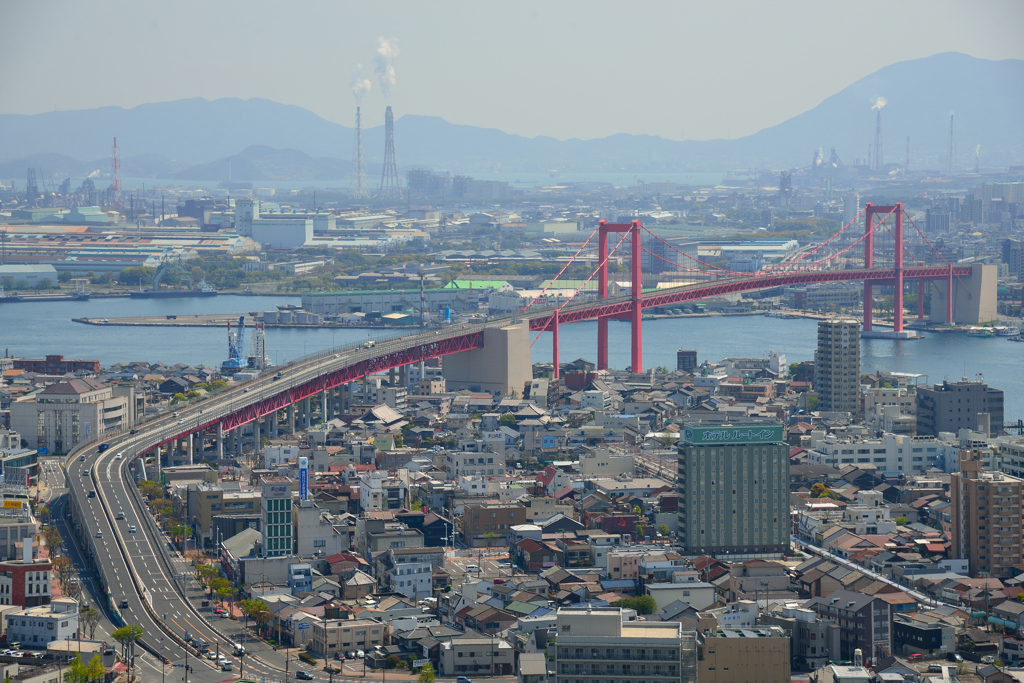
(980, 331)
(1007, 331)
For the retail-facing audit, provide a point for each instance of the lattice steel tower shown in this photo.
(390, 185)
(878, 142)
(359, 188)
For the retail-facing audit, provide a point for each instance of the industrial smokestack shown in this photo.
(359, 188)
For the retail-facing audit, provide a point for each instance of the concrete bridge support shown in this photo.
(220, 441)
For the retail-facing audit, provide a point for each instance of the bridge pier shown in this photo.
(291, 418)
(256, 436)
(323, 405)
(869, 259)
(220, 441)
(306, 407)
(554, 345)
(191, 451)
(897, 299)
(602, 293)
(920, 301)
(403, 376)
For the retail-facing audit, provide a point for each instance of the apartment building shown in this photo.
(895, 453)
(473, 654)
(837, 366)
(484, 463)
(65, 414)
(34, 627)
(328, 636)
(25, 583)
(749, 655)
(595, 643)
(409, 571)
(276, 516)
(864, 621)
(987, 527)
(486, 525)
(733, 485)
(952, 406)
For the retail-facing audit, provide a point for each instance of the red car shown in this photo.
(916, 657)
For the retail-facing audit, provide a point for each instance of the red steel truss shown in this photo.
(623, 309)
(350, 373)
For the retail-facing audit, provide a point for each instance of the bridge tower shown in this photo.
(869, 247)
(636, 335)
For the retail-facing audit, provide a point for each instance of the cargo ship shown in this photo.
(202, 289)
(14, 298)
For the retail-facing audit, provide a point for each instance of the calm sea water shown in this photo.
(33, 330)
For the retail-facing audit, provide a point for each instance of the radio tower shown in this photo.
(359, 189)
(878, 141)
(115, 172)
(950, 167)
(390, 186)
(906, 166)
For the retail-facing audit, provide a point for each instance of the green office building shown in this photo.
(734, 490)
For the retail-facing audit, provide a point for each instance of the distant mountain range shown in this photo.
(193, 139)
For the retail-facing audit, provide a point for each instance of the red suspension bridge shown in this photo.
(319, 375)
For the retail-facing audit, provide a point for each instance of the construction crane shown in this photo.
(236, 342)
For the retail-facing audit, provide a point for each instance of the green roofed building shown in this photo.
(734, 489)
(488, 285)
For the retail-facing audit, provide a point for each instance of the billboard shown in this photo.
(303, 478)
(713, 435)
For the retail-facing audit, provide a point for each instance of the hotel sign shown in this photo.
(711, 435)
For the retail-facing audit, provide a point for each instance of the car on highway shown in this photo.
(124, 604)
(85, 472)
(81, 458)
(211, 655)
(275, 377)
(463, 679)
(99, 534)
(92, 494)
(131, 528)
(472, 568)
(504, 565)
(103, 446)
(134, 431)
(118, 456)
(303, 675)
(226, 666)
(120, 515)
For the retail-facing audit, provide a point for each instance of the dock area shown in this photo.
(217, 320)
(197, 320)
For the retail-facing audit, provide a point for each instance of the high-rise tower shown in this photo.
(359, 188)
(837, 365)
(390, 185)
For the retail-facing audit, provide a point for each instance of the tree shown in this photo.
(62, 568)
(793, 367)
(812, 403)
(256, 610)
(127, 636)
(901, 521)
(45, 283)
(418, 505)
(52, 539)
(643, 604)
(43, 514)
(89, 619)
(136, 276)
(427, 673)
(507, 420)
(65, 276)
(80, 672)
(664, 530)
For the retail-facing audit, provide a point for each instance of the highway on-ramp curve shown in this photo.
(138, 568)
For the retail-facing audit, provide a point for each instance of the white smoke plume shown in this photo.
(387, 50)
(879, 103)
(977, 150)
(360, 84)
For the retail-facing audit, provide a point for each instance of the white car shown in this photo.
(472, 568)
(117, 457)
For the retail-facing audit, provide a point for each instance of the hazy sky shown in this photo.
(694, 70)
